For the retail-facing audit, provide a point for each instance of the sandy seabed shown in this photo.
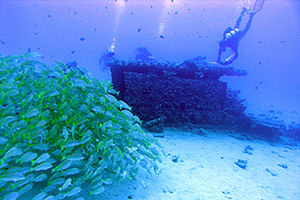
(202, 167)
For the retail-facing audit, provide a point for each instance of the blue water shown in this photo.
(171, 30)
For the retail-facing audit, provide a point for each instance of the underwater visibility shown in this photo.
(149, 99)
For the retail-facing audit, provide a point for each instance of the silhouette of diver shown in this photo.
(142, 53)
(232, 37)
(108, 57)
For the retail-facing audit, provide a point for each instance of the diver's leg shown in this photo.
(221, 50)
(238, 21)
(258, 6)
(246, 29)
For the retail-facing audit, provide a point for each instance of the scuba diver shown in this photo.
(108, 57)
(142, 53)
(232, 37)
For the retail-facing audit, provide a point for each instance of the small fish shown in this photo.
(49, 198)
(42, 158)
(11, 177)
(32, 113)
(40, 178)
(98, 191)
(27, 157)
(73, 192)
(13, 152)
(75, 157)
(71, 171)
(124, 105)
(43, 166)
(162, 37)
(64, 165)
(67, 183)
(58, 181)
(40, 196)
(41, 147)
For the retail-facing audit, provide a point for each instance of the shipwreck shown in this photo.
(189, 93)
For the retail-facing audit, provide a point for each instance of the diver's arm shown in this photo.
(219, 55)
(101, 61)
(231, 58)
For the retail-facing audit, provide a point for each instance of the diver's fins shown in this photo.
(257, 6)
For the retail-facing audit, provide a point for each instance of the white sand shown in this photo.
(206, 170)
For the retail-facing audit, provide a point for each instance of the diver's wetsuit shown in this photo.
(231, 39)
(143, 54)
(106, 58)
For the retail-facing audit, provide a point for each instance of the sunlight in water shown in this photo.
(169, 7)
(120, 8)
